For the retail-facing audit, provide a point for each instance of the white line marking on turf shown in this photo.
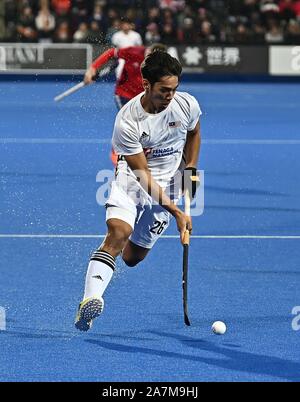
(250, 142)
(90, 236)
(2, 319)
(54, 141)
(108, 140)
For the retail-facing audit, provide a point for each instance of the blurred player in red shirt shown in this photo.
(129, 84)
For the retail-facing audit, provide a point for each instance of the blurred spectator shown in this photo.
(81, 10)
(33, 4)
(112, 15)
(242, 35)
(173, 5)
(186, 13)
(2, 20)
(62, 33)
(168, 27)
(206, 33)
(274, 33)
(248, 8)
(45, 23)
(99, 16)
(202, 15)
(187, 32)
(259, 32)
(61, 7)
(10, 9)
(136, 17)
(10, 12)
(152, 34)
(293, 32)
(168, 17)
(175, 21)
(81, 34)
(114, 28)
(96, 35)
(269, 10)
(126, 36)
(297, 8)
(269, 6)
(26, 31)
(286, 9)
(168, 34)
(153, 15)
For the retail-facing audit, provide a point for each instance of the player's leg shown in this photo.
(133, 254)
(151, 225)
(120, 218)
(100, 271)
(102, 262)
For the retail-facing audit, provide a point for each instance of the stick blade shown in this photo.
(58, 98)
(186, 320)
(69, 91)
(185, 283)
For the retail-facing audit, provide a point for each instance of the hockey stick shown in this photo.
(81, 84)
(185, 264)
(69, 91)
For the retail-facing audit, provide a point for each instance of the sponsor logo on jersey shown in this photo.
(175, 124)
(157, 153)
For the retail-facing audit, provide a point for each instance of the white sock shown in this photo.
(99, 274)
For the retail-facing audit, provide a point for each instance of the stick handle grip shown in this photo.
(186, 238)
(187, 211)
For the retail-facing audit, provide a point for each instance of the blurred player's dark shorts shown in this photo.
(121, 101)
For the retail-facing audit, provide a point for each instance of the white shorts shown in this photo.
(148, 222)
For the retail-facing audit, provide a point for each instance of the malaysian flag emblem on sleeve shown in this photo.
(175, 124)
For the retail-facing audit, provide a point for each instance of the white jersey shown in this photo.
(121, 39)
(160, 136)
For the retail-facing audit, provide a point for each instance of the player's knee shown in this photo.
(131, 262)
(118, 238)
(133, 254)
(117, 235)
(131, 259)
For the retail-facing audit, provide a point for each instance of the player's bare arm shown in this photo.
(192, 146)
(91, 72)
(138, 163)
(190, 178)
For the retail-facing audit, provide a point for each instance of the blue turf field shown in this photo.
(50, 155)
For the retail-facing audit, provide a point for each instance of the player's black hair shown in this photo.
(158, 46)
(158, 64)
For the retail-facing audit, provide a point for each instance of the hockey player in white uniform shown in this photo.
(157, 138)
